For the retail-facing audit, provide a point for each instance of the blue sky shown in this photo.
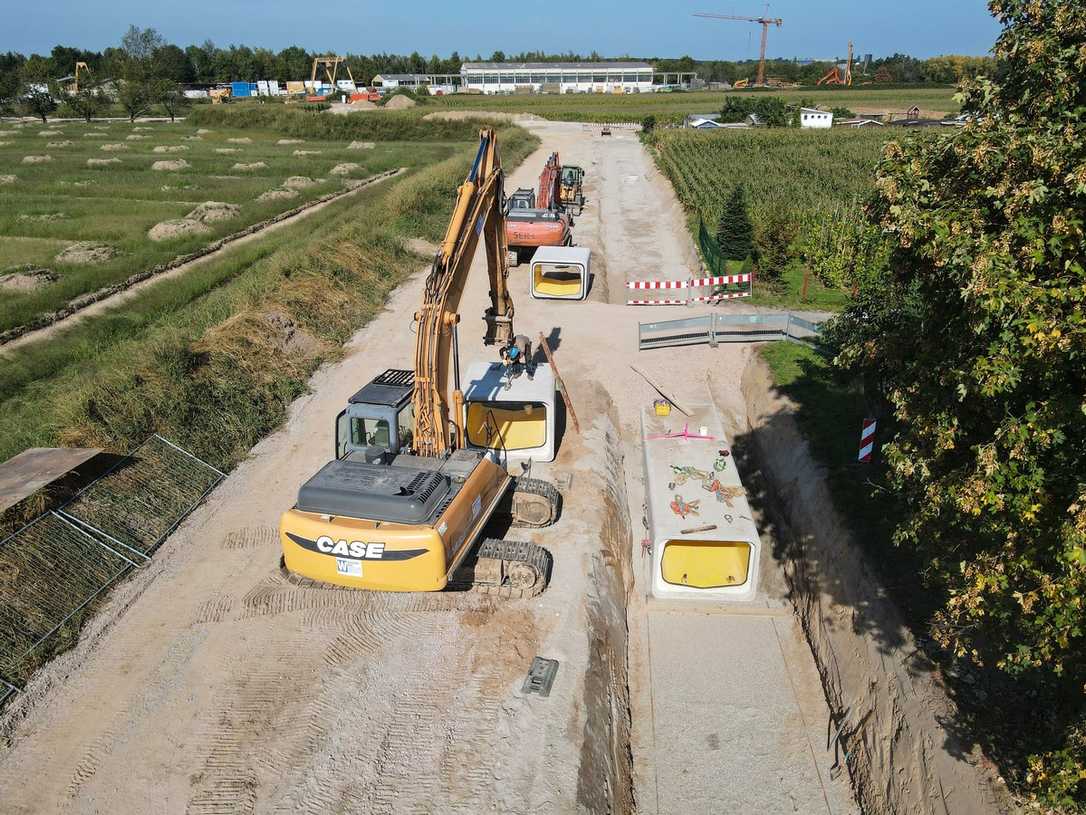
(812, 28)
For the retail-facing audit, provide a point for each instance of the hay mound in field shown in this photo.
(212, 211)
(7, 143)
(170, 148)
(134, 129)
(175, 164)
(191, 138)
(203, 131)
(113, 148)
(242, 140)
(86, 252)
(37, 159)
(7, 179)
(8, 132)
(277, 195)
(226, 177)
(50, 132)
(270, 334)
(90, 182)
(95, 135)
(256, 165)
(177, 228)
(283, 142)
(44, 218)
(298, 182)
(346, 168)
(54, 144)
(227, 150)
(303, 153)
(102, 162)
(26, 278)
(361, 145)
(400, 102)
(136, 137)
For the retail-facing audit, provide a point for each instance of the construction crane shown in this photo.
(331, 68)
(405, 504)
(835, 76)
(79, 66)
(764, 22)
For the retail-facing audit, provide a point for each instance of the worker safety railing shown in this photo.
(710, 329)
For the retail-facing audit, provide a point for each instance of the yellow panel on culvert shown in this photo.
(511, 428)
(560, 272)
(705, 564)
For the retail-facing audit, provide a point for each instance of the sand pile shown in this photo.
(213, 211)
(256, 165)
(196, 222)
(170, 148)
(363, 104)
(136, 137)
(86, 252)
(37, 159)
(26, 278)
(203, 131)
(400, 102)
(102, 162)
(178, 228)
(299, 182)
(346, 168)
(278, 194)
(242, 140)
(361, 145)
(175, 164)
(227, 150)
(7, 179)
(283, 142)
(112, 148)
(55, 144)
(303, 153)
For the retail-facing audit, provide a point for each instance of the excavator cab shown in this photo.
(379, 418)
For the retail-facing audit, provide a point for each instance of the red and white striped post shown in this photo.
(867, 441)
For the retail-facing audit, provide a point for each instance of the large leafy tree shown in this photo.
(976, 337)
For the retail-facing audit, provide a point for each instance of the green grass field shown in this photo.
(672, 107)
(46, 207)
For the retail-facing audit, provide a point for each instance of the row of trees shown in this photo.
(140, 72)
(208, 63)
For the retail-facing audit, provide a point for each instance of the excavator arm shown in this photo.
(478, 214)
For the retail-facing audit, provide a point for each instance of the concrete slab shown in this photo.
(23, 475)
(729, 731)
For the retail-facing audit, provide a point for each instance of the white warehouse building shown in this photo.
(557, 77)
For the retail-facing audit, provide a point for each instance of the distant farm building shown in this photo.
(411, 81)
(557, 77)
(812, 117)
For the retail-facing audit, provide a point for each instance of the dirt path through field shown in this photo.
(209, 684)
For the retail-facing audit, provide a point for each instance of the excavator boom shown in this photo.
(478, 213)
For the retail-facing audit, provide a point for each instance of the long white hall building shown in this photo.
(557, 77)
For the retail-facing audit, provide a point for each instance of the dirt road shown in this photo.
(210, 685)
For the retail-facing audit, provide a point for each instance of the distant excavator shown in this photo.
(417, 475)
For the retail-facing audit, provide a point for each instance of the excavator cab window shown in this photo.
(366, 432)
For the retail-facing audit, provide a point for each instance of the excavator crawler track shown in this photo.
(530, 504)
(506, 569)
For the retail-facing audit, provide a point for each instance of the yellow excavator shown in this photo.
(418, 473)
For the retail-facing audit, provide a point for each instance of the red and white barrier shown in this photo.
(697, 283)
(867, 441)
(719, 280)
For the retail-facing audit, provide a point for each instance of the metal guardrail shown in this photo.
(710, 329)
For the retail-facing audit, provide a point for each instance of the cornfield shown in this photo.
(805, 174)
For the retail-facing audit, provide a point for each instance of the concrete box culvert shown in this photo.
(888, 711)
